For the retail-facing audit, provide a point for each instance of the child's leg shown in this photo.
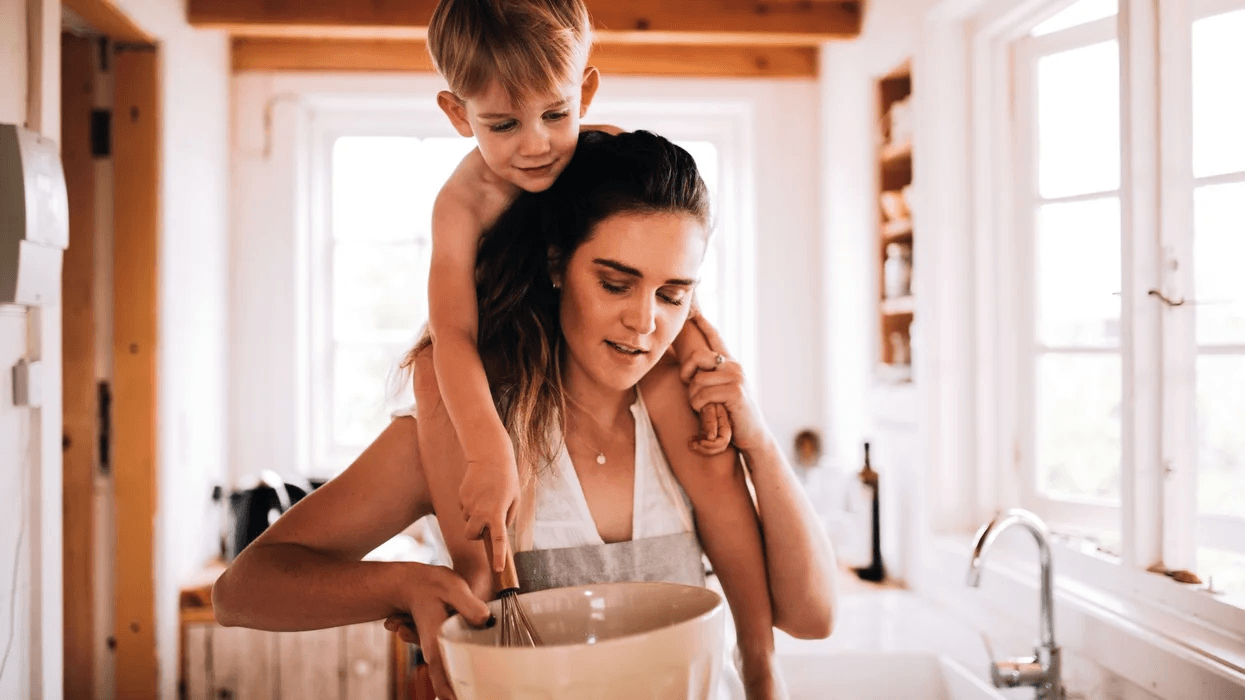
(715, 425)
(444, 466)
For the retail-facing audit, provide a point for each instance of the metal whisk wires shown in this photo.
(516, 628)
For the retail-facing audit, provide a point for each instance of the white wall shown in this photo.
(193, 315)
(30, 531)
(265, 365)
(15, 482)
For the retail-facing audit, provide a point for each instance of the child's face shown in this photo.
(526, 144)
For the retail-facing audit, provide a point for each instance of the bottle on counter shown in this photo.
(875, 571)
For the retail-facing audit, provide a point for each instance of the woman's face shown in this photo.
(626, 293)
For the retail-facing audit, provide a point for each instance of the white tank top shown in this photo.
(659, 505)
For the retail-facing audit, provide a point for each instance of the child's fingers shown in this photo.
(708, 424)
(724, 424)
(709, 448)
(495, 543)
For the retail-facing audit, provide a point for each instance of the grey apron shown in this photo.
(671, 559)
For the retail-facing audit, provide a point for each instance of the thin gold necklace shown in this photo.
(582, 439)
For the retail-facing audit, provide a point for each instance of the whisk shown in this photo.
(516, 627)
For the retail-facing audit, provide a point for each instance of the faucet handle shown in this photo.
(1011, 673)
(1021, 671)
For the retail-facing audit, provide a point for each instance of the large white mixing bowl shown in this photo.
(612, 641)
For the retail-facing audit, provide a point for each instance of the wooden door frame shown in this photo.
(136, 230)
(136, 136)
(79, 326)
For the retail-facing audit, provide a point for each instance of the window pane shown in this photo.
(1078, 263)
(1083, 12)
(1219, 254)
(1218, 100)
(1078, 426)
(379, 291)
(1079, 121)
(1220, 434)
(363, 394)
(375, 183)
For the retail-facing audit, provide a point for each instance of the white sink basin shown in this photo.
(881, 676)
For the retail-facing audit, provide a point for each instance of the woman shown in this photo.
(574, 348)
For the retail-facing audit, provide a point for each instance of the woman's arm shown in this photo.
(725, 522)
(798, 553)
(304, 572)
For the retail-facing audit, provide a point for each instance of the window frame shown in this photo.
(1156, 205)
(1066, 512)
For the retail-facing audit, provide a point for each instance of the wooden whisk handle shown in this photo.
(507, 578)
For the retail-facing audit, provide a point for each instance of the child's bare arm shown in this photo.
(726, 522)
(490, 485)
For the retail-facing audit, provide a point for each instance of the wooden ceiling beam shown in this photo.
(720, 22)
(407, 55)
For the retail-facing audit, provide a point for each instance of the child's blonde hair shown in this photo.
(531, 47)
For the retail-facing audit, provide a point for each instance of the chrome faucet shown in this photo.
(1042, 670)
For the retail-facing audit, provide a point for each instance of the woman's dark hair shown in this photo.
(519, 335)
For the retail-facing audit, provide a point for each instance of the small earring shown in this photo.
(557, 284)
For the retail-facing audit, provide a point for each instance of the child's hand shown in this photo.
(715, 430)
(489, 495)
(712, 376)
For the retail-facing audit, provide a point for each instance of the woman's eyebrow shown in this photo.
(628, 270)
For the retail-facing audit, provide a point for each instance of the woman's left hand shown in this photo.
(713, 376)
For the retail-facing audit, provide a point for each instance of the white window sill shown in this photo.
(1141, 626)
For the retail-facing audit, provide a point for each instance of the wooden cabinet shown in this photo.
(896, 233)
(358, 662)
(233, 663)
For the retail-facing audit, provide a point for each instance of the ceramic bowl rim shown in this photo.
(716, 609)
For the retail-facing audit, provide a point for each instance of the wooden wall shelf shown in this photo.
(896, 230)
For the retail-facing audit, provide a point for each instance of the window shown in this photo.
(1089, 369)
(1068, 201)
(372, 290)
(1219, 295)
(375, 178)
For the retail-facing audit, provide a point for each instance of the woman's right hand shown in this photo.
(435, 593)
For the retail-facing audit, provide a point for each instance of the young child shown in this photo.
(519, 83)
